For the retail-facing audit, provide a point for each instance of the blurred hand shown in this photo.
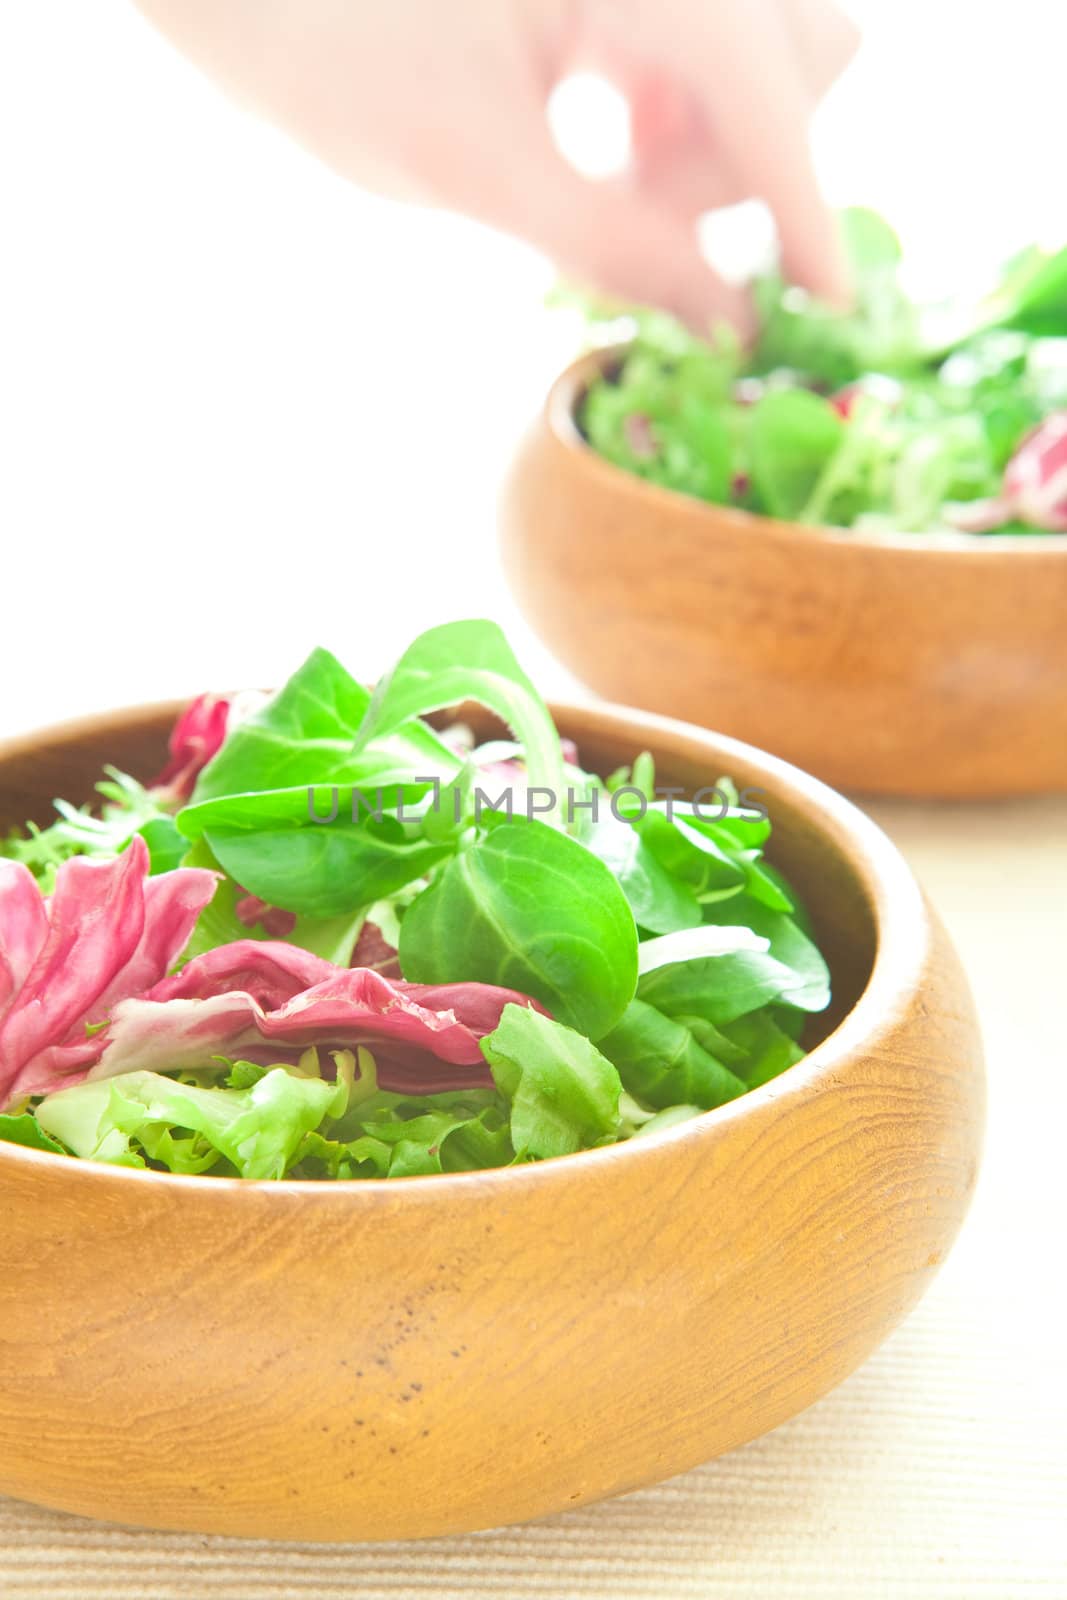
(443, 102)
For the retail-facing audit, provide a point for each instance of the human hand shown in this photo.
(444, 104)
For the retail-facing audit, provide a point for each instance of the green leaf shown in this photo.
(324, 871)
(870, 243)
(688, 852)
(530, 909)
(768, 1049)
(669, 1118)
(461, 661)
(307, 805)
(479, 1142)
(332, 938)
(787, 943)
(218, 923)
(243, 1074)
(679, 977)
(127, 808)
(792, 436)
(563, 1093)
(456, 1138)
(304, 736)
(166, 846)
(258, 1130)
(658, 900)
(711, 1039)
(26, 1130)
(321, 1157)
(661, 1063)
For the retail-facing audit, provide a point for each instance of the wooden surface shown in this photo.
(426, 1356)
(897, 667)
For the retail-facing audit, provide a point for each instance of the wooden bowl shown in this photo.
(904, 665)
(391, 1359)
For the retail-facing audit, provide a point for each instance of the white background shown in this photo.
(244, 409)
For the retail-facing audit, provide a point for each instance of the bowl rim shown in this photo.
(559, 417)
(901, 941)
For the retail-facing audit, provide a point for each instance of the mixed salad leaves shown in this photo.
(893, 416)
(330, 941)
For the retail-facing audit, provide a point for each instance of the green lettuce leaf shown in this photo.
(258, 1130)
(26, 1130)
(563, 1093)
(661, 1063)
(528, 908)
(461, 661)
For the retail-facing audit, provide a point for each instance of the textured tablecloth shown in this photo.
(938, 1470)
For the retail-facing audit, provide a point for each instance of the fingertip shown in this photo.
(716, 303)
(820, 264)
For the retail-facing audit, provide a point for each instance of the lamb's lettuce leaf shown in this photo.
(325, 871)
(718, 973)
(304, 735)
(661, 1063)
(468, 661)
(661, 900)
(482, 919)
(787, 943)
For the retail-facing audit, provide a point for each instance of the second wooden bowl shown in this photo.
(418, 1356)
(906, 665)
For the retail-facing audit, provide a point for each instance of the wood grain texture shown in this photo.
(400, 1359)
(901, 666)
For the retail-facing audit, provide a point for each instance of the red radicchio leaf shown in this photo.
(270, 1001)
(874, 386)
(23, 928)
(196, 737)
(107, 932)
(250, 910)
(374, 950)
(1034, 489)
(1035, 479)
(639, 435)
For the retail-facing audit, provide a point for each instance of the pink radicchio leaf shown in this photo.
(109, 932)
(640, 436)
(874, 386)
(23, 928)
(374, 950)
(500, 782)
(978, 516)
(268, 971)
(196, 736)
(425, 1039)
(251, 911)
(1035, 479)
(1034, 490)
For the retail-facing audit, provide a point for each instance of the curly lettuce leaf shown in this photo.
(129, 809)
(257, 1130)
(24, 1129)
(563, 1093)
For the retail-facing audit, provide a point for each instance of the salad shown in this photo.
(892, 417)
(330, 941)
